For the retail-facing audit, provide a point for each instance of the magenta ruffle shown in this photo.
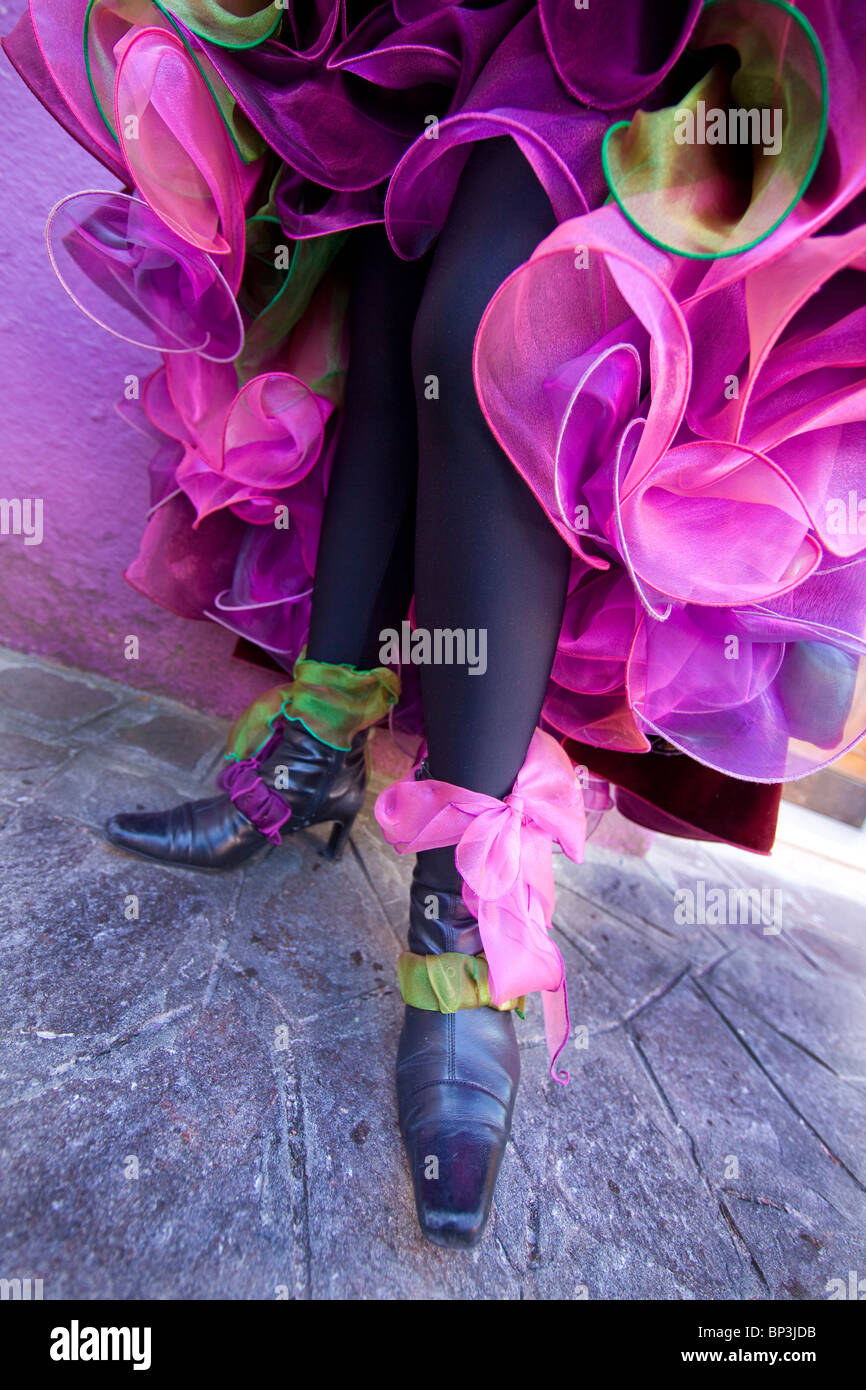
(341, 116)
(252, 795)
(718, 593)
(610, 64)
(695, 430)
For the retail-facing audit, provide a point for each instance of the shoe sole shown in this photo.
(257, 857)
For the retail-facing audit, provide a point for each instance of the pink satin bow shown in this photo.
(504, 855)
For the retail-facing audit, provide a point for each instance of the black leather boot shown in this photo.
(323, 784)
(457, 1076)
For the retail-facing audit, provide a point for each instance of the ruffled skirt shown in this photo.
(678, 372)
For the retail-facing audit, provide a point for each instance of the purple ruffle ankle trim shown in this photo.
(251, 794)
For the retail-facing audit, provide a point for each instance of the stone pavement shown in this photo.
(197, 1102)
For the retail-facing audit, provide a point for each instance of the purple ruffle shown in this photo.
(261, 805)
(614, 60)
(343, 118)
(708, 520)
(518, 95)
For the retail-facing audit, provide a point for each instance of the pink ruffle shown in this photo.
(713, 601)
(694, 430)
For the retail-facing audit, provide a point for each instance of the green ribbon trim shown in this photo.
(223, 28)
(334, 703)
(449, 982)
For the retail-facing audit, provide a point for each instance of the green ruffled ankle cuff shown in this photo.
(448, 982)
(336, 702)
(333, 703)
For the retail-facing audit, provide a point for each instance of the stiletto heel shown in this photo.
(293, 780)
(340, 833)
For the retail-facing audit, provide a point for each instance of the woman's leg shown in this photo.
(363, 583)
(486, 558)
(486, 555)
(364, 575)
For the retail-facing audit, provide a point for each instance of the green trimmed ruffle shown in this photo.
(103, 21)
(212, 20)
(697, 178)
(276, 299)
(334, 703)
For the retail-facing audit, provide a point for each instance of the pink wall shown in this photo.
(61, 440)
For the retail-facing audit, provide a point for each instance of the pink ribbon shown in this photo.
(505, 857)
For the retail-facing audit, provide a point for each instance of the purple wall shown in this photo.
(61, 440)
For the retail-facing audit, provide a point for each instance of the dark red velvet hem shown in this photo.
(678, 796)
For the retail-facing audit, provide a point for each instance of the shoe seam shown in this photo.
(455, 1081)
(452, 1059)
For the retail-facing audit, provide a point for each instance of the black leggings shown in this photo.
(485, 556)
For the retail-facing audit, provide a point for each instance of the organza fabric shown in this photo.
(717, 594)
(332, 702)
(716, 173)
(447, 983)
(677, 372)
(504, 853)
